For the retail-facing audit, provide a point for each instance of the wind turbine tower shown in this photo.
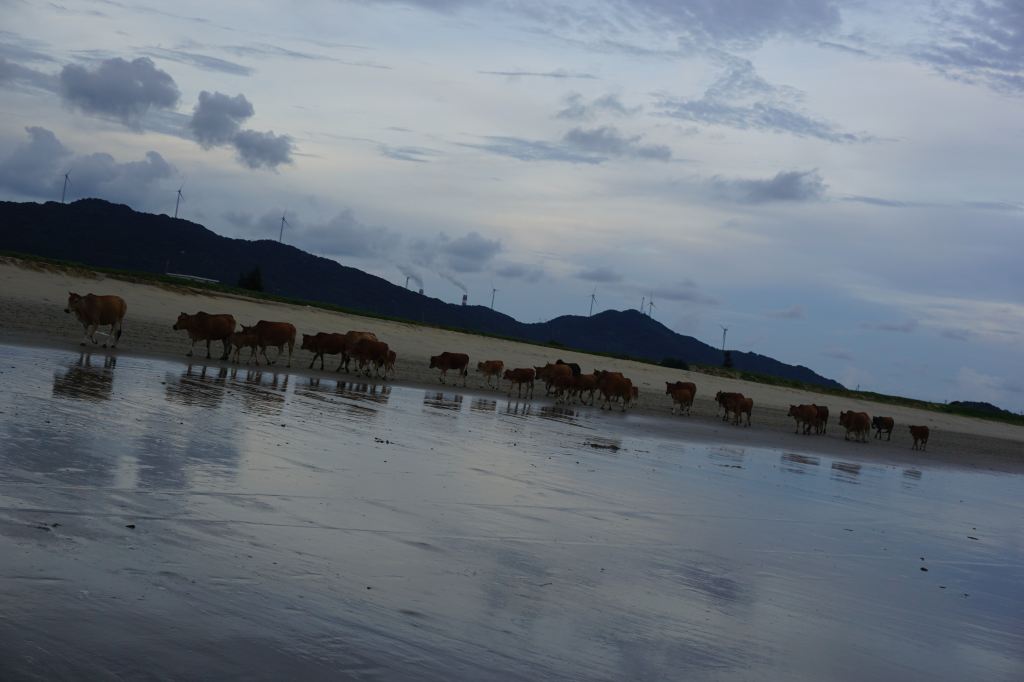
(493, 292)
(593, 299)
(67, 181)
(650, 307)
(643, 303)
(725, 330)
(178, 201)
(280, 235)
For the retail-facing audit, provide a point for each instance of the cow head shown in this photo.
(182, 323)
(433, 361)
(479, 366)
(73, 302)
(792, 411)
(307, 341)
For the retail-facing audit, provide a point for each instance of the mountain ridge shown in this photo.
(101, 234)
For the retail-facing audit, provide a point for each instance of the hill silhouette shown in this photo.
(98, 233)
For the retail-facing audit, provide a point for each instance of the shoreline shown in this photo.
(31, 314)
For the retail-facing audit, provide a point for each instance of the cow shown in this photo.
(738, 404)
(681, 384)
(244, 339)
(205, 327)
(93, 311)
(491, 369)
(614, 387)
(920, 436)
(586, 383)
(563, 383)
(323, 343)
(857, 423)
(881, 424)
(276, 334)
(389, 366)
(367, 352)
(821, 423)
(682, 397)
(446, 361)
(549, 372)
(576, 371)
(804, 414)
(723, 398)
(520, 376)
(351, 338)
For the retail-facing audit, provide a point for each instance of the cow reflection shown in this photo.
(516, 407)
(363, 391)
(262, 392)
(86, 379)
(483, 405)
(200, 386)
(442, 401)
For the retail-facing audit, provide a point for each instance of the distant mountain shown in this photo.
(987, 408)
(101, 234)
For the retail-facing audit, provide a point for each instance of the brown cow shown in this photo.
(205, 327)
(722, 398)
(821, 423)
(857, 423)
(681, 384)
(585, 383)
(276, 334)
(244, 339)
(351, 338)
(682, 397)
(367, 352)
(491, 369)
(446, 361)
(93, 311)
(389, 366)
(323, 343)
(804, 414)
(738, 404)
(520, 376)
(920, 435)
(549, 372)
(614, 387)
(883, 424)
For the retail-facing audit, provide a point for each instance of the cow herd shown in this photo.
(563, 380)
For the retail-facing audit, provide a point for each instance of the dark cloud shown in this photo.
(11, 72)
(994, 205)
(119, 89)
(528, 273)
(741, 99)
(451, 278)
(785, 186)
(412, 274)
(36, 169)
(793, 312)
(471, 252)
(601, 274)
(557, 73)
(263, 149)
(607, 141)
(238, 218)
(217, 118)
(877, 201)
(984, 43)
(407, 153)
(22, 49)
(579, 109)
(201, 61)
(899, 327)
(838, 354)
(686, 291)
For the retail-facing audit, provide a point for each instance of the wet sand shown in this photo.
(31, 312)
(175, 521)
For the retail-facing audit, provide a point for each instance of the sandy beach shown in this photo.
(32, 299)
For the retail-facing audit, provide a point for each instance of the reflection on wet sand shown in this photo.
(198, 385)
(797, 464)
(374, 393)
(441, 401)
(86, 380)
(483, 405)
(558, 413)
(264, 397)
(520, 408)
(845, 471)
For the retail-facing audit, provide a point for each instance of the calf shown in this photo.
(920, 435)
(881, 424)
(723, 399)
(682, 397)
(491, 369)
(821, 423)
(804, 414)
(739, 405)
(244, 339)
(351, 338)
(367, 353)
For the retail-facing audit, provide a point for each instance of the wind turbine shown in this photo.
(593, 299)
(650, 307)
(725, 330)
(284, 221)
(67, 181)
(643, 302)
(178, 200)
(493, 292)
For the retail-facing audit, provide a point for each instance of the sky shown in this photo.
(836, 182)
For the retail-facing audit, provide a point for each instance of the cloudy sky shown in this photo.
(838, 182)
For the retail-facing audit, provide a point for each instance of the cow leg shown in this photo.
(314, 360)
(208, 348)
(224, 355)
(889, 436)
(291, 349)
